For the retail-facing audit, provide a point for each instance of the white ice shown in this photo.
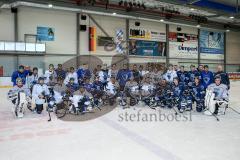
(108, 138)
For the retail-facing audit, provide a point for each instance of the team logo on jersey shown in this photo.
(182, 77)
(206, 80)
(177, 90)
(105, 75)
(125, 77)
(192, 76)
(168, 75)
(217, 92)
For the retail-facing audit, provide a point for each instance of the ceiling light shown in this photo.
(198, 25)
(231, 17)
(192, 9)
(161, 20)
(114, 13)
(50, 5)
(227, 30)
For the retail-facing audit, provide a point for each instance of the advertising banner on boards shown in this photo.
(145, 42)
(146, 35)
(147, 48)
(183, 45)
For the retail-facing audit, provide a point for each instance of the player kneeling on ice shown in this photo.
(147, 91)
(20, 97)
(112, 89)
(132, 92)
(40, 95)
(72, 86)
(216, 99)
(81, 101)
(177, 96)
(198, 93)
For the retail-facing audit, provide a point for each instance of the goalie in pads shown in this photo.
(20, 97)
(216, 99)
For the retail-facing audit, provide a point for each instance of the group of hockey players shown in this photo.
(174, 87)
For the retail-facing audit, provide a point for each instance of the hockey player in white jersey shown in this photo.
(170, 74)
(71, 74)
(81, 100)
(216, 93)
(50, 74)
(104, 75)
(32, 78)
(131, 91)
(59, 90)
(40, 94)
(112, 89)
(147, 87)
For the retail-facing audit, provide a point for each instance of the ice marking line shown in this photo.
(150, 146)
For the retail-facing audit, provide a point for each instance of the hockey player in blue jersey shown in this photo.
(71, 86)
(182, 76)
(88, 85)
(206, 76)
(177, 91)
(163, 92)
(192, 74)
(60, 72)
(97, 84)
(20, 73)
(123, 76)
(97, 90)
(200, 68)
(83, 72)
(198, 94)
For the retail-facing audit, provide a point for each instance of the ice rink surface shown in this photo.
(111, 138)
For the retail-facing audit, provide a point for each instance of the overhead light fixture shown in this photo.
(161, 20)
(50, 5)
(227, 27)
(198, 26)
(192, 9)
(231, 17)
(114, 13)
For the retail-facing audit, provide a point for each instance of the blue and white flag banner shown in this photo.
(119, 40)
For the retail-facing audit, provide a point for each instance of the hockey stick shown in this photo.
(234, 110)
(214, 115)
(176, 113)
(49, 115)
